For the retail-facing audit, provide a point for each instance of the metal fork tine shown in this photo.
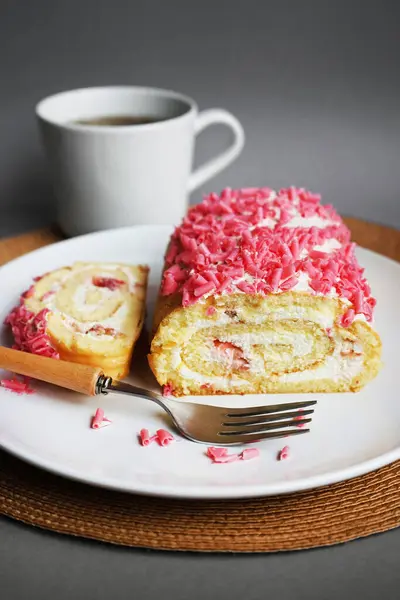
(258, 437)
(267, 418)
(264, 410)
(262, 427)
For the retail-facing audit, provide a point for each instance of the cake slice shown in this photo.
(89, 313)
(262, 293)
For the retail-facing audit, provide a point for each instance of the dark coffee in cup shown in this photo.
(118, 121)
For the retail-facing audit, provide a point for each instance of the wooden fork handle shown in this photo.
(73, 376)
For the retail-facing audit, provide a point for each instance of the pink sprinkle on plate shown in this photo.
(284, 453)
(221, 455)
(164, 437)
(145, 438)
(19, 387)
(99, 420)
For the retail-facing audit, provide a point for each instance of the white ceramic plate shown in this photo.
(351, 434)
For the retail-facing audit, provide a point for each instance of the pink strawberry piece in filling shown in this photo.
(168, 389)
(29, 293)
(108, 282)
(207, 386)
(232, 354)
(47, 295)
(101, 330)
(39, 277)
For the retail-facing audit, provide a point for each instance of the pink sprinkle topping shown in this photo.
(29, 330)
(39, 277)
(164, 437)
(29, 293)
(284, 453)
(348, 317)
(240, 241)
(108, 282)
(210, 311)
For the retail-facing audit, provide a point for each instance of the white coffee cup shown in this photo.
(110, 176)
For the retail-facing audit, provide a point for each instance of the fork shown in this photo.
(197, 422)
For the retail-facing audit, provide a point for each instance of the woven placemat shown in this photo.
(329, 515)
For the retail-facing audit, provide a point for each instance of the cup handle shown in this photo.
(217, 164)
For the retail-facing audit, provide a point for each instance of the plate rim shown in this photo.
(194, 492)
(215, 493)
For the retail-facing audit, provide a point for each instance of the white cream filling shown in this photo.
(303, 285)
(328, 246)
(267, 222)
(80, 295)
(335, 367)
(222, 382)
(301, 344)
(108, 273)
(314, 221)
(115, 321)
(296, 312)
(296, 221)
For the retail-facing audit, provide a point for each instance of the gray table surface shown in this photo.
(38, 564)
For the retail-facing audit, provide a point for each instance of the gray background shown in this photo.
(316, 87)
